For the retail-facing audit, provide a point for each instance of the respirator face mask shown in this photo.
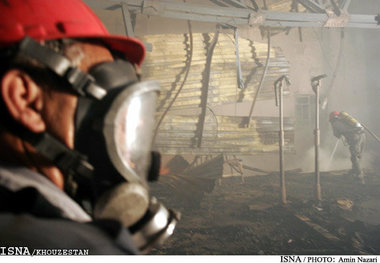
(112, 159)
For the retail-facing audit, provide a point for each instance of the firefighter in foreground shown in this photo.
(75, 134)
(352, 132)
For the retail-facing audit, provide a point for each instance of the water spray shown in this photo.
(332, 154)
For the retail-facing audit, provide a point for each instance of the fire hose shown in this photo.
(371, 133)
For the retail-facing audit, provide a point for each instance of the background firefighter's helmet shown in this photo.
(334, 115)
(56, 19)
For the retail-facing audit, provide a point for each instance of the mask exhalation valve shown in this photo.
(155, 227)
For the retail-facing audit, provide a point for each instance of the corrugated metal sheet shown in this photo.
(222, 135)
(178, 133)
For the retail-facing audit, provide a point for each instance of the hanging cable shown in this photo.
(205, 88)
(339, 59)
(261, 81)
(188, 66)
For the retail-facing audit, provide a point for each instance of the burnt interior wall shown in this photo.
(368, 43)
(354, 89)
(371, 43)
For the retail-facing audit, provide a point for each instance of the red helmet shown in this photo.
(334, 115)
(55, 19)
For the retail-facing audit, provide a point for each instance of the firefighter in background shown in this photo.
(352, 132)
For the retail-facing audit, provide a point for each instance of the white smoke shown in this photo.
(328, 160)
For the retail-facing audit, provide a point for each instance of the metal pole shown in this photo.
(317, 143)
(282, 172)
(127, 20)
(315, 83)
(279, 102)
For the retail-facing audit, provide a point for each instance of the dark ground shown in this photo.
(248, 218)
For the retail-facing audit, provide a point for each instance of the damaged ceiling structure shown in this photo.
(219, 105)
(200, 73)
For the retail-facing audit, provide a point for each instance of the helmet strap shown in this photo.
(81, 83)
(74, 165)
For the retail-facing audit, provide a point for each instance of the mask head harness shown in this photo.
(112, 157)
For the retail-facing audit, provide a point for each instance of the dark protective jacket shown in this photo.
(34, 213)
(345, 125)
(353, 132)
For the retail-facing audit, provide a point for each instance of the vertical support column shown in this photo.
(317, 143)
(127, 20)
(279, 102)
(315, 84)
(282, 171)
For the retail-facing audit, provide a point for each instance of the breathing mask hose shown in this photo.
(112, 149)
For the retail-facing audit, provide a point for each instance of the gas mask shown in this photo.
(112, 160)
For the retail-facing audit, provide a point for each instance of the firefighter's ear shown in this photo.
(23, 99)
